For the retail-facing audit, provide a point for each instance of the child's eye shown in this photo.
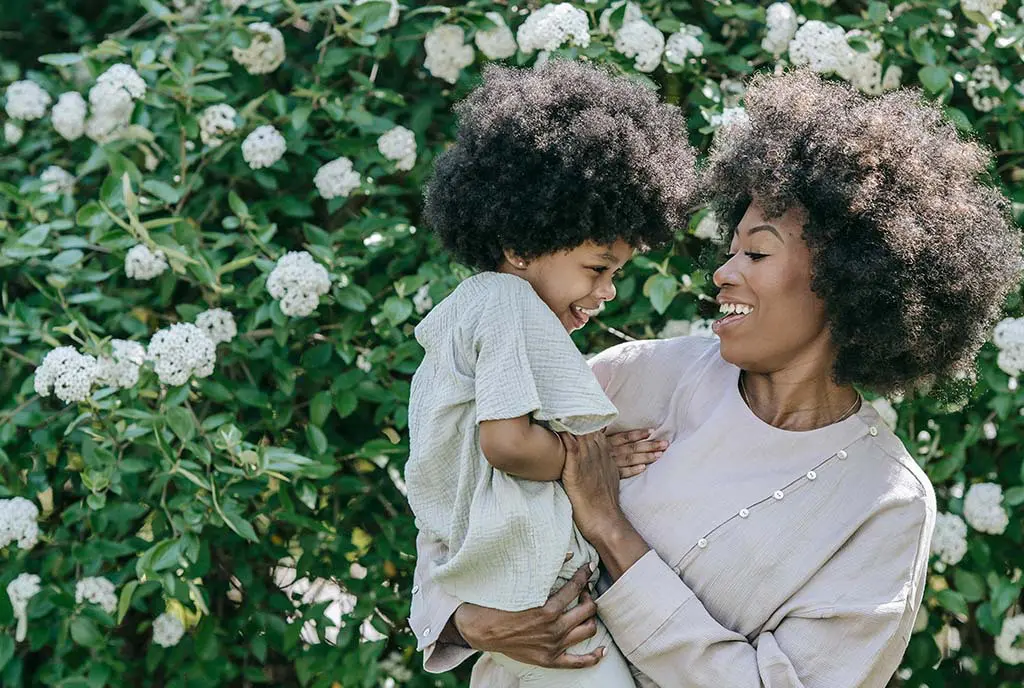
(750, 254)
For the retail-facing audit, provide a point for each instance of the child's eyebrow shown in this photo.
(609, 256)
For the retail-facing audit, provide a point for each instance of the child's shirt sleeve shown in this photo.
(526, 363)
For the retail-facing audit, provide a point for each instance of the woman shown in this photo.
(783, 538)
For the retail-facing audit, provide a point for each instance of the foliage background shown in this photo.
(126, 480)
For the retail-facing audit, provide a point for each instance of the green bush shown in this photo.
(203, 489)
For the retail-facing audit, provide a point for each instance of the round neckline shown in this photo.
(748, 413)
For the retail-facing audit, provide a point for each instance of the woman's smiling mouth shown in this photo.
(734, 312)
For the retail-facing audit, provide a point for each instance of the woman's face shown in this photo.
(574, 284)
(771, 320)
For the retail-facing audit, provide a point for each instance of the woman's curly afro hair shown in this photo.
(911, 253)
(546, 159)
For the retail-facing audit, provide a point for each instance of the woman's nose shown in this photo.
(726, 274)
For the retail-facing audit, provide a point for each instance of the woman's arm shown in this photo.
(847, 627)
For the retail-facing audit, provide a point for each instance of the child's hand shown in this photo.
(632, 451)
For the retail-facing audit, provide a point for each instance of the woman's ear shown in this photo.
(512, 259)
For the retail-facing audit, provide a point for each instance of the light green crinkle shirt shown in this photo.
(494, 350)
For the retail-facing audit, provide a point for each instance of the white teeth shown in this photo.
(730, 308)
(590, 312)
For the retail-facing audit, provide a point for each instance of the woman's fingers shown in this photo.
(630, 471)
(570, 661)
(557, 603)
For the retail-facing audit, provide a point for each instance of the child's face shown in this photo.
(573, 282)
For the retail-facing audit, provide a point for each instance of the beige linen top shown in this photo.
(778, 558)
(494, 350)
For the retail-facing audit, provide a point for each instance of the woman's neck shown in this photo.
(798, 398)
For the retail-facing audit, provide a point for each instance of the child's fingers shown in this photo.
(621, 438)
(652, 446)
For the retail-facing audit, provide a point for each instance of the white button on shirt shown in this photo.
(841, 454)
(744, 513)
(415, 589)
(779, 494)
(702, 543)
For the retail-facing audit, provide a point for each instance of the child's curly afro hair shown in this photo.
(912, 254)
(549, 158)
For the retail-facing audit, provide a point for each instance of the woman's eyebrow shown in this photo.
(766, 228)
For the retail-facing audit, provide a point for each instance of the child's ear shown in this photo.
(514, 260)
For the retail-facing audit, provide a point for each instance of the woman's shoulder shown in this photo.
(678, 357)
(889, 474)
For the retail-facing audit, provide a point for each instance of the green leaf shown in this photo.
(35, 236)
(345, 402)
(1003, 596)
(6, 650)
(1014, 496)
(953, 601)
(125, 599)
(61, 59)
(396, 310)
(934, 79)
(85, 633)
(155, 8)
(181, 423)
(238, 524)
(320, 408)
(238, 206)
(317, 439)
(66, 259)
(372, 15)
(661, 290)
(970, 585)
(162, 190)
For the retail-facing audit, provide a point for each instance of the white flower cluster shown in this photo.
(986, 78)
(218, 325)
(447, 52)
(1008, 337)
(167, 630)
(27, 100)
(98, 591)
(949, 539)
(640, 40)
(730, 116)
(398, 144)
(983, 508)
(338, 178)
(782, 24)
(265, 51)
(18, 523)
(552, 26)
(68, 115)
(216, 122)
(66, 374)
(12, 133)
(886, 411)
(233, 5)
(394, 666)
(1010, 641)
(707, 228)
(20, 591)
(56, 179)
(983, 7)
(181, 351)
(303, 591)
(298, 282)
(393, 13)
(143, 264)
(121, 369)
(684, 43)
(826, 50)
(686, 328)
(263, 147)
(421, 300)
(497, 43)
(112, 100)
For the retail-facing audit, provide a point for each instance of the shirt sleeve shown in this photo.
(527, 364)
(847, 627)
(431, 610)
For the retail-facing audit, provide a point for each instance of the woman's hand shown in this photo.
(591, 480)
(538, 636)
(633, 452)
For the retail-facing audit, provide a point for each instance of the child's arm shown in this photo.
(523, 449)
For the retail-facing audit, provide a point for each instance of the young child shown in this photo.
(557, 175)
